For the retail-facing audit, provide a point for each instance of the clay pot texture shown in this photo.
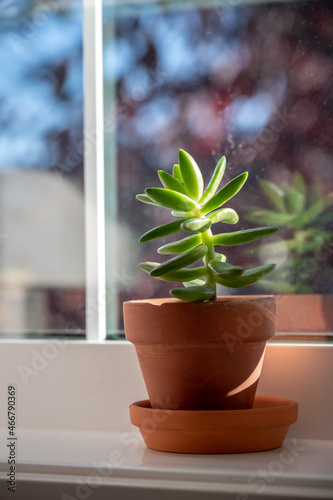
(201, 356)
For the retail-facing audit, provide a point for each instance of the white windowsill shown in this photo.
(79, 388)
(110, 465)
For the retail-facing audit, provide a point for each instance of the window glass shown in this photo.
(42, 270)
(251, 81)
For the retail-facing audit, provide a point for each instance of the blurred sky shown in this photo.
(41, 83)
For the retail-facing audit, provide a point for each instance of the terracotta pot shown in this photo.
(304, 313)
(201, 356)
(261, 428)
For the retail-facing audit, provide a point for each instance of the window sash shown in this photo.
(94, 170)
(100, 183)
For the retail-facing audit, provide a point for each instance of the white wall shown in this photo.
(79, 385)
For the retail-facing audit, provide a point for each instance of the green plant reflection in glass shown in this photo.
(302, 213)
(195, 211)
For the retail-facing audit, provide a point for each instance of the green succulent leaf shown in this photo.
(214, 181)
(182, 260)
(160, 231)
(177, 173)
(270, 217)
(170, 182)
(225, 270)
(191, 175)
(244, 236)
(145, 199)
(171, 199)
(181, 215)
(226, 215)
(180, 276)
(194, 293)
(309, 215)
(295, 200)
(299, 182)
(196, 282)
(274, 193)
(227, 192)
(249, 277)
(196, 225)
(279, 287)
(180, 246)
(220, 257)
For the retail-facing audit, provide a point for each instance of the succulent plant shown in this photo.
(302, 213)
(196, 210)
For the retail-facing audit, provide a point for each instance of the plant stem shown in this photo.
(207, 239)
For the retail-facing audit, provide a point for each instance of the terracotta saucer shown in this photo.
(263, 427)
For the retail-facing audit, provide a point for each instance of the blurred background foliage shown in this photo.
(304, 215)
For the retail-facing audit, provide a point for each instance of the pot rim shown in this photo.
(172, 321)
(222, 298)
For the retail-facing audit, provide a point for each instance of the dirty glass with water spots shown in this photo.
(251, 81)
(42, 275)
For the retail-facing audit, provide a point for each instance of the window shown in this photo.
(248, 80)
(42, 256)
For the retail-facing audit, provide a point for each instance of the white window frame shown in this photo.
(94, 168)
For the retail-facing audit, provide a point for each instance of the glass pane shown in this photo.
(250, 81)
(41, 169)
